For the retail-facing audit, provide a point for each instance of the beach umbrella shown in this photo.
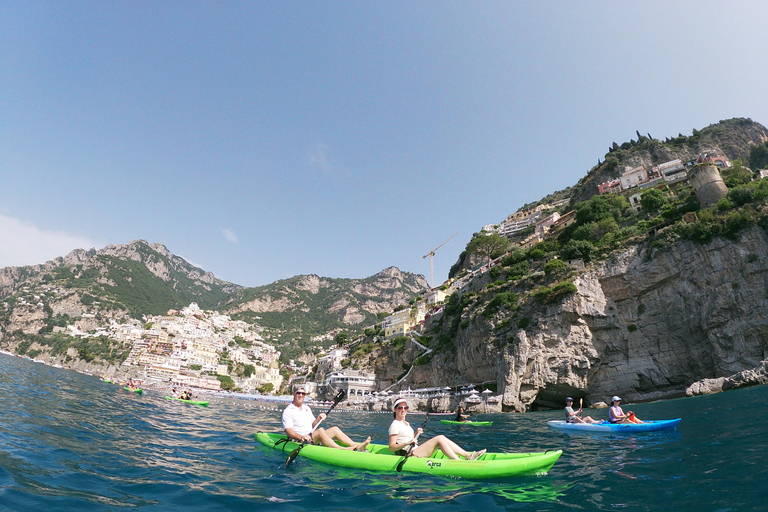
(486, 392)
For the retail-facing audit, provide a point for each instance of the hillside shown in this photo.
(303, 307)
(123, 282)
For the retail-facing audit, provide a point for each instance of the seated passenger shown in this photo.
(402, 439)
(616, 414)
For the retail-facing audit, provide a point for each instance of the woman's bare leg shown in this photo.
(449, 448)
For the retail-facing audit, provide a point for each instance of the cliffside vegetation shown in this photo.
(528, 279)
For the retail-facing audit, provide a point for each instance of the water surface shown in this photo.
(71, 442)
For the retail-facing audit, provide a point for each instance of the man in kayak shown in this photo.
(616, 414)
(460, 416)
(299, 422)
(402, 438)
(572, 416)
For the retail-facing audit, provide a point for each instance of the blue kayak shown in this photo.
(605, 426)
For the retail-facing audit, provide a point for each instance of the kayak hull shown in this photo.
(196, 402)
(469, 423)
(137, 391)
(627, 428)
(377, 457)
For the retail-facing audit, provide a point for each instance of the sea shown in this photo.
(69, 442)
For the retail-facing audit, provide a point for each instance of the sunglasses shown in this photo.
(299, 393)
(403, 407)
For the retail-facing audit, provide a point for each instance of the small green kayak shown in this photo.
(138, 391)
(471, 423)
(377, 457)
(196, 402)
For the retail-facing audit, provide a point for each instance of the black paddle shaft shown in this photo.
(336, 400)
(402, 462)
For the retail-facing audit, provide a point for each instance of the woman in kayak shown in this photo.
(616, 414)
(572, 416)
(460, 416)
(402, 439)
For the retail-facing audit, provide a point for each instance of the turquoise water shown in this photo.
(71, 442)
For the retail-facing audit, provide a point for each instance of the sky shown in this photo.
(263, 140)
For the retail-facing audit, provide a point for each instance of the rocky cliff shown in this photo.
(645, 324)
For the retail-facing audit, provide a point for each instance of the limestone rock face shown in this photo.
(644, 325)
(751, 377)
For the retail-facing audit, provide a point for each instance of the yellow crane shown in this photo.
(431, 254)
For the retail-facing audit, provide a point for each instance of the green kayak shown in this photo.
(377, 457)
(196, 402)
(470, 423)
(138, 391)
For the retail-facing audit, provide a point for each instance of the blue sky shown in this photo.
(263, 140)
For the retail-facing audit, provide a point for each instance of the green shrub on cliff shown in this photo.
(501, 300)
(555, 267)
(551, 295)
(758, 156)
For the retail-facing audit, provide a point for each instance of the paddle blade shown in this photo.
(339, 396)
(292, 456)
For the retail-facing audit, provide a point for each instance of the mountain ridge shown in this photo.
(122, 281)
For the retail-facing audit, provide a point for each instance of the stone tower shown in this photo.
(707, 183)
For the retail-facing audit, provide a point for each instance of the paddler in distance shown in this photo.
(298, 422)
(460, 416)
(572, 416)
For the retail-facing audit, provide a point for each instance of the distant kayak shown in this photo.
(138, 391)
(648, 426)
(377, 457)
(108, 381)
(196, 402)
(469, 423)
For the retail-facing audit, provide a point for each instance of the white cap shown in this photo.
(398, 402)
(616, 399)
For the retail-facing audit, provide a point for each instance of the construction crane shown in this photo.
(431, 255)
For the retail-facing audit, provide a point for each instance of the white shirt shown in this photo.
(300, 420)
(403, 430)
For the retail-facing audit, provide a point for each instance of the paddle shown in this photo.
(292, 456)
(413, 445)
